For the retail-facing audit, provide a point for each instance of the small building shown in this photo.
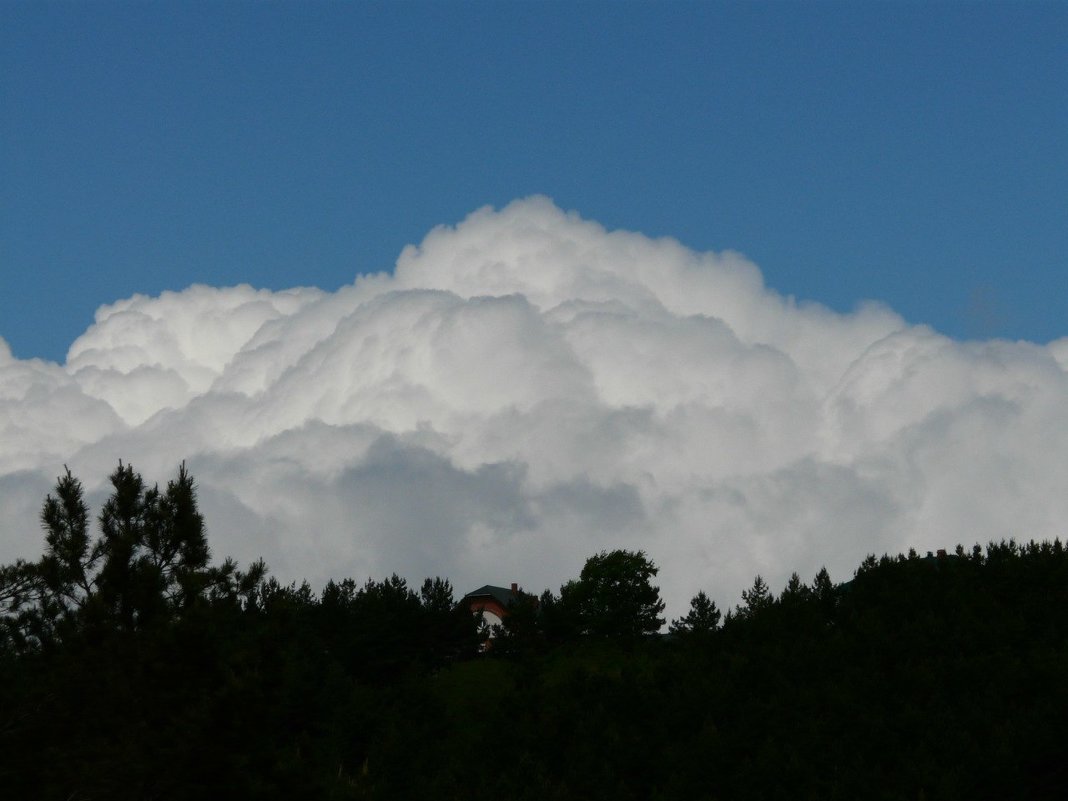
(492, 602)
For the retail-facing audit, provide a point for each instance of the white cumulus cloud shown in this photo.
(526, 389)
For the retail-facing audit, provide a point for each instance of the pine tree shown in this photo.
(65, 574)
(18, 594)
(756, 598)
(824, 593)
(149, 563)
(795, 591)
(702, 618)
(436, 595)
(121, 525)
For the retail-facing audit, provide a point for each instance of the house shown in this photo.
(491, 601)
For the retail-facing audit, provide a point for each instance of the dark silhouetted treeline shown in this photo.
(131, 667)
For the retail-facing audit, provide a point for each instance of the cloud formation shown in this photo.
(528, 388)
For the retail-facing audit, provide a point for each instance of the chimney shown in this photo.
(515, 588)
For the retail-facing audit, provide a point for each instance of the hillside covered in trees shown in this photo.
(132, 667)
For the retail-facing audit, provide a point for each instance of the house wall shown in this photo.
(488, 605)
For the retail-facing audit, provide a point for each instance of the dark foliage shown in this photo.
(131, 668)
(702, 619)
(614, 596)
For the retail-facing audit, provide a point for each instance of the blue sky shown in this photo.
(916, 154)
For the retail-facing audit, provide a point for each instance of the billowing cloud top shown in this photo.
(527, 389)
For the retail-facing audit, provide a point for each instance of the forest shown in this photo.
(133, 666)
